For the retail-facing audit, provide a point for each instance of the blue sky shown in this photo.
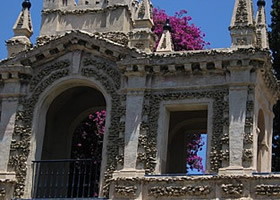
(212, 16)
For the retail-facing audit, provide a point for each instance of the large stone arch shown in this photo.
(57, 77)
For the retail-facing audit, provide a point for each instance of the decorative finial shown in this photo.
(26, 4)
(165, 43)
(261, 3)
(167, 26)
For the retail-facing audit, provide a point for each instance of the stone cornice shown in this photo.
(202, 55)
(82, 11)
(204, 61)
(73, 40)
(116, 37)
(211, 177)
(271, 82)
(196, 61)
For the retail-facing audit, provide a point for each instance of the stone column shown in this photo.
(238, 80)
(9, 105)
(237, 115)
(134, 106)
(134, 102)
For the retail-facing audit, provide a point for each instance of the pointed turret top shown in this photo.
(22, 31)
(165, 43)
(26, 4)
(243, 14)
(243, 26)
(262, 35)
(261, 18)
(144, 12)
(23, 25)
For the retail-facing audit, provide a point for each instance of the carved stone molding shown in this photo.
(232, 189)
(20, 146)
(268, 190)
(106, 68)
(81, 11)
(125, 191)
(271, 81)
(242, 13)
(147, 139)
(2, 192)
(248, 129)
(118, 37)
(47, 70)
(247, 154)
(179, 191)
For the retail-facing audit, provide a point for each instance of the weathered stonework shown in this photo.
(149, 128)
(118, 37)
(232, 189)
(177, 191)
(141, 89)
(248, 130)
(81, 11)
(22, 133)
(6, 188)
(125, 191)
(242, 13)
(46, 71)
(2, 192)
(268, 190)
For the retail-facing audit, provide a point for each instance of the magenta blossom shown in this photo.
(185, 36)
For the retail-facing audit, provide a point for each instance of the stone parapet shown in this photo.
(253, 186)
(7, 184)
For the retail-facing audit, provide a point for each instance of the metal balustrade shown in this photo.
(66, 178)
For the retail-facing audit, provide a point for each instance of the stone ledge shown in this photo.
(7, 177)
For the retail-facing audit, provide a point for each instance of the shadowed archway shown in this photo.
(59, 168)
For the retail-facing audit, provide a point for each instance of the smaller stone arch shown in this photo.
(262, 147)
(184, 126)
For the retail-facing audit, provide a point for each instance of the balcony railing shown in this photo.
(66, 178)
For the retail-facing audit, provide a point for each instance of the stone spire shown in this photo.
(262, 35)
(242, 28)
(23, 30)
(165, 43)
(142, 36)
(144, 11)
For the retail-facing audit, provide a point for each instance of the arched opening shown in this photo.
(72, 148)
(187, 137)
(262, 147)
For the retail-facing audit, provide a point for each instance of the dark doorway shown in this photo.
(72, 147)
(185, 139)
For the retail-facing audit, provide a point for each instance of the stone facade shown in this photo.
(235, 87)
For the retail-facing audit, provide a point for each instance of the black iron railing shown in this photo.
(66, 178)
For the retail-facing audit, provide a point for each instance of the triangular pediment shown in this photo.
(73, 41)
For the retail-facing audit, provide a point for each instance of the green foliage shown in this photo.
(275, 35)
(274, 40)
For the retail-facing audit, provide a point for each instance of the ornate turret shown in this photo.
(242, 28)
(165, 43)
(58, 4)
(142, 36)
(22, 31)
(102, 16)
(262, 35)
